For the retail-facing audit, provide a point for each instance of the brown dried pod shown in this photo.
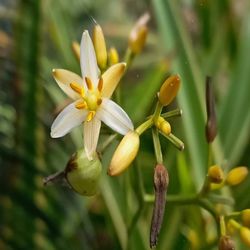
(161, 181)
(211, 125)
(226, 243)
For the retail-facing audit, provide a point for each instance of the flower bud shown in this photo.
(113, 56)
(138, 34)
(125, 153)
(245, 235)
(245, 217)
(82, 174)
(215, 174)
(232, 227)
(76, 50)
(100, 47)
(236, 176)
(169, 89)
(161, 181)
(163, 125)
(226, 243)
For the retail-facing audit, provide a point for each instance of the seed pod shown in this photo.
(215, 174)
(125, 153)
(236, 176)
(81, 174)
(226, 243)
(211, 125)
(161, 181)
(169, 89)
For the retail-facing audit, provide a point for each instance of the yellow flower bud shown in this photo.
(226, 243)
(215, 174)
(245, 216)
(232, 227)
(138, 34)
(236, 176)
(163, 126)
(113, 56)
(169, 89)
(245, 235)
(82, 174)
(125, 153)
(100, 47)
(76, 50)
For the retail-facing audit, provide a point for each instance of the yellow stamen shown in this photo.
(100, 84)
(77, 88)
(81, 105)
(99, 101)
(89, 83)
(90, 116)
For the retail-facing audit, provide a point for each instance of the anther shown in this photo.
(99, 101)
(76, 87)
(90, 116)
(81, 105)
(100, 84)
(89, 83)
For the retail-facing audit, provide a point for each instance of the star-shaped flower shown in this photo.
(91, 94)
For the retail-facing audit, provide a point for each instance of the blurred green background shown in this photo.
(188, 37)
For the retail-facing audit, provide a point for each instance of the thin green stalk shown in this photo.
(157, 146)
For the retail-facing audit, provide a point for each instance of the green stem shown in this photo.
(222, 226)
(144, 126)
(107, 142)
(157, 146)
(172, 113)
(157, 112)
(129, 57)
(175, 141)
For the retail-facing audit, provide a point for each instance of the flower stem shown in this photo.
(144, 126)
(175, 141)
(157, 146)
(172, 113)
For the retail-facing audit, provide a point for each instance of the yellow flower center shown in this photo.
(90, 100)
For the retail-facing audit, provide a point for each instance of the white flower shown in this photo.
(91, 95)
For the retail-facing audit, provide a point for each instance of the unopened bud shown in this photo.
(245, 235)
(161, 181)
(169, 89)
(100, 47)
(163, 125)
(226, 243)
(113, 56)
(125, 153)
(138, 34)
(215, 174)
(232, 227)
(236, 176)
(76, 50)
(83, 174)
(211, 125)
(245, 217)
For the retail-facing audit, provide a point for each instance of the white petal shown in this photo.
(114, 117)
(69, 118)
(63, 78)
(91, 135)
(88, 59)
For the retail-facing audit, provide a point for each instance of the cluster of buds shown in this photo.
(240, 225)
(129, 145)
(216, 178)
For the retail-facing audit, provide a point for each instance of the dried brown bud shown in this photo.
(161, 181)
(226, 243)
(211, 125)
